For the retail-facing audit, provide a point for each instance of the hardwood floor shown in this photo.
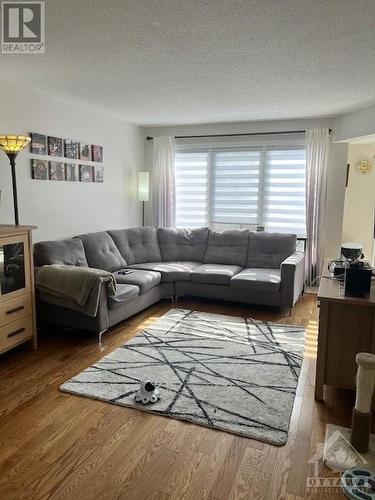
(59, 446)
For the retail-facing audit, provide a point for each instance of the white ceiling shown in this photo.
(171, 61)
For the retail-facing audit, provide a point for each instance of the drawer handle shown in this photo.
(16, 309)
(17, 332)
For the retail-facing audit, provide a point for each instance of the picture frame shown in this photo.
(56, 171)
(38, 144)
(99, 173)
(84, 151)
(71, 172)
(86, 173)
(55, 146)
(97, 153)
(71, 149)
(39, 170)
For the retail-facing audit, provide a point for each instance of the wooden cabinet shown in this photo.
(17, 297)
(346, 327)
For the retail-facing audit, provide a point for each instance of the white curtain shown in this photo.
(317, 154)
(164, 206)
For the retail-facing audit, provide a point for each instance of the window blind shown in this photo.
(284, 191)
(234, 187)
(254, 185)
(191, 179)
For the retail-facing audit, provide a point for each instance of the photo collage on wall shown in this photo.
(69, 161)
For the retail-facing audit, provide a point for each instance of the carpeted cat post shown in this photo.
(346, 448)
(361, 418)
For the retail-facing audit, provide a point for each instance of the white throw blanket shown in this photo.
(73, 287)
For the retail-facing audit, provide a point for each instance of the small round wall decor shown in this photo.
(364, 167)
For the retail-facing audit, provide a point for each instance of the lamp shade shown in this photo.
(143, 186)
(13, 143)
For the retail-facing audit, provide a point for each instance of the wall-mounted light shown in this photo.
(12, 145)
(143, 191)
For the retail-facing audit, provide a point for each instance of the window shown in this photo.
(242, 186)
(235, 187)
(284, 191)
(191, 172)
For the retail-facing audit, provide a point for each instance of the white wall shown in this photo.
(240, 127)
(63, 209)
(336, 173)
(355, 124)
(335, 199)
(358, 223)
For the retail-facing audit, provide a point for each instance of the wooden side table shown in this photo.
(346, 327)
(17, 294)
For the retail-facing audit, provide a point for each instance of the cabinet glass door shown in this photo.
(12, 267)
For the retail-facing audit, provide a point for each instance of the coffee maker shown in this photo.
(350, 252)
(353, 270)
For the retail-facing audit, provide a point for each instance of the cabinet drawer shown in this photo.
(14, 309)
(15, 333)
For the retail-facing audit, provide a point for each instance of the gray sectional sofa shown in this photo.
(233, 265)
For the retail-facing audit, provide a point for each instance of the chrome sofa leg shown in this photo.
(100, 335)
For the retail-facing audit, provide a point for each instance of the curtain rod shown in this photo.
(150, 138)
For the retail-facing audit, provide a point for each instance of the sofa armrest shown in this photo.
(58, 314)
(77, 288)
(292, 279)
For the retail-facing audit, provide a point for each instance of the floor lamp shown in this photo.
(12, 145)
(143, 191)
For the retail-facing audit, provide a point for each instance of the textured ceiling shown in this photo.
(173, 61)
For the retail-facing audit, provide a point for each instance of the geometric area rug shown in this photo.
(235, 374)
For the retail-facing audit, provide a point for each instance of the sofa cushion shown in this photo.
(183, 244)
(218, 274)
(144, 279)
(67, 252)
(227, 247)
(170, 271)
(257, 279)
(123, 295)
(101, 252)
(269, 250)
(137, 244)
